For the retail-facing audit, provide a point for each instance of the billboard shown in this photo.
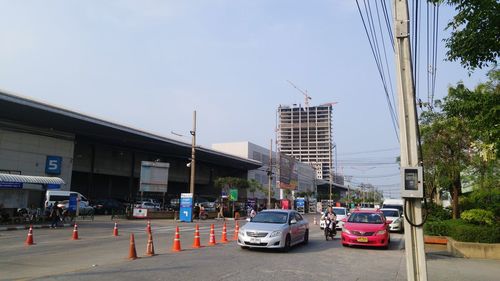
(154, 176)
(288, 175)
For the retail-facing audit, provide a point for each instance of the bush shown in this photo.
(478, 216)
(436, 212)
(483, 198)
(463, 231)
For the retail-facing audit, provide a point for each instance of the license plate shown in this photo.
(362, 239)
(254, 240)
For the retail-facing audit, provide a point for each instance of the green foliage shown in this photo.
(475, 32)
(462, 231)
(437, 213)
(226, 182)
(483, 198)
(478, 216)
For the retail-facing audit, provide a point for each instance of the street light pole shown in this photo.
(193, 151)
(270, 174)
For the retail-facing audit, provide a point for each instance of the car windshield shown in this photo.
(271, 217)
(390, 213)
(339, 211)
(365, 218)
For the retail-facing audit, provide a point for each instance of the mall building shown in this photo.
(47, 147)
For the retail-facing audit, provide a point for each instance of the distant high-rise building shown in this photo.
(306, 134)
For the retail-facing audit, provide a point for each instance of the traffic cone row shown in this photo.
(223, 239)
(29, 239)
(177, 241)
(115, 230)
(75, 232)
(212, 242)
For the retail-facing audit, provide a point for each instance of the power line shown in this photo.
(370, 151)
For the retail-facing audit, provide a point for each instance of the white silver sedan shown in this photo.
(274, 229)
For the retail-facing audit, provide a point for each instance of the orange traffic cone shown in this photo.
(150, 248)
(236, 230)
(315, 222)
(177, 241)
(148, 227)
(75, 232)
(132, 253)
(196, 243)
(29, 239)
(115, 230)
(224, 234)
(212, 236)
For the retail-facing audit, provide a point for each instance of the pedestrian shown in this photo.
(196, 213)
(220, 211)
(55, 214)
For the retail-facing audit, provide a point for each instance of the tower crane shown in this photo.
(306, 96)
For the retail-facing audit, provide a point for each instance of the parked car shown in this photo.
(274, 229)
(396, 217)
(148, 205)
(83, 210)
(366, 228)
(105, 206)
(341, 213)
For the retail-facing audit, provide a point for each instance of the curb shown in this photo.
(24, 227)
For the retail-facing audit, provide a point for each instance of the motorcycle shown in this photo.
(330, 229)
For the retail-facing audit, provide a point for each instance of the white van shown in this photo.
(51, 196)
(394, 204)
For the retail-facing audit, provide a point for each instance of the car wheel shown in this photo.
(288, 242)
(306, 237)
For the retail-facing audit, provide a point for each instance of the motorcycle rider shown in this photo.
(330, 217)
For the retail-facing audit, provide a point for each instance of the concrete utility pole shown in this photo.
(193, 151)
(416, 267)
(270, 174)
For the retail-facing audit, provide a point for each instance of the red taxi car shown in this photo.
(366, 228)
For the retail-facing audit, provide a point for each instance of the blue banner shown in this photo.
(186, 207)
(11, 185)
(73, 200)
(301, 202)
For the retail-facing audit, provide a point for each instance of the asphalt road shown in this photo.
(99, 255)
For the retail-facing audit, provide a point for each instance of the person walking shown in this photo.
(55, 214)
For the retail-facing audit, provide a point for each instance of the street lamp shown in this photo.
(193, 151)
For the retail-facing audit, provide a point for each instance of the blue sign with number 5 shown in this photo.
(53, 165)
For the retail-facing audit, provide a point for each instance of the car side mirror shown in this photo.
(293, 221)
(249, 219)
(348, 214)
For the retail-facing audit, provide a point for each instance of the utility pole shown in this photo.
(270, 174)
(193, 151)
(416, 267)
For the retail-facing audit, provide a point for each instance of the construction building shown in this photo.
(306, 134)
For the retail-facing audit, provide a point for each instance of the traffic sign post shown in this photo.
(186, 207)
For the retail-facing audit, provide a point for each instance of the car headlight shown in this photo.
(381, 232)
(346, 231)
(397, 221)
(275, 233)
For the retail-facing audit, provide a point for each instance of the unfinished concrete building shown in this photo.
(306, 134)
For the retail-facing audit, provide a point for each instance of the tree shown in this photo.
(463, 137)
(475, 32)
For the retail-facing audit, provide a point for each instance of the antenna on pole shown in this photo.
(307, 97)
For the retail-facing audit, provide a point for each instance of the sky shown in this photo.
(149, 64)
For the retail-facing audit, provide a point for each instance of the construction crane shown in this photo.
(306, 96)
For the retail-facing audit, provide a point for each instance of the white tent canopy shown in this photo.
(30, 179)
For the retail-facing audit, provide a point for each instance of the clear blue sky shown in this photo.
(149, 64)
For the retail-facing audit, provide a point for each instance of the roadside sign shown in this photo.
(233, 194)
(186, 207)
(154, 177)
(73, 200)
(11, 184)
(140, 213)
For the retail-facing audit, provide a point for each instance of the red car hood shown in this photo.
(364, 227)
